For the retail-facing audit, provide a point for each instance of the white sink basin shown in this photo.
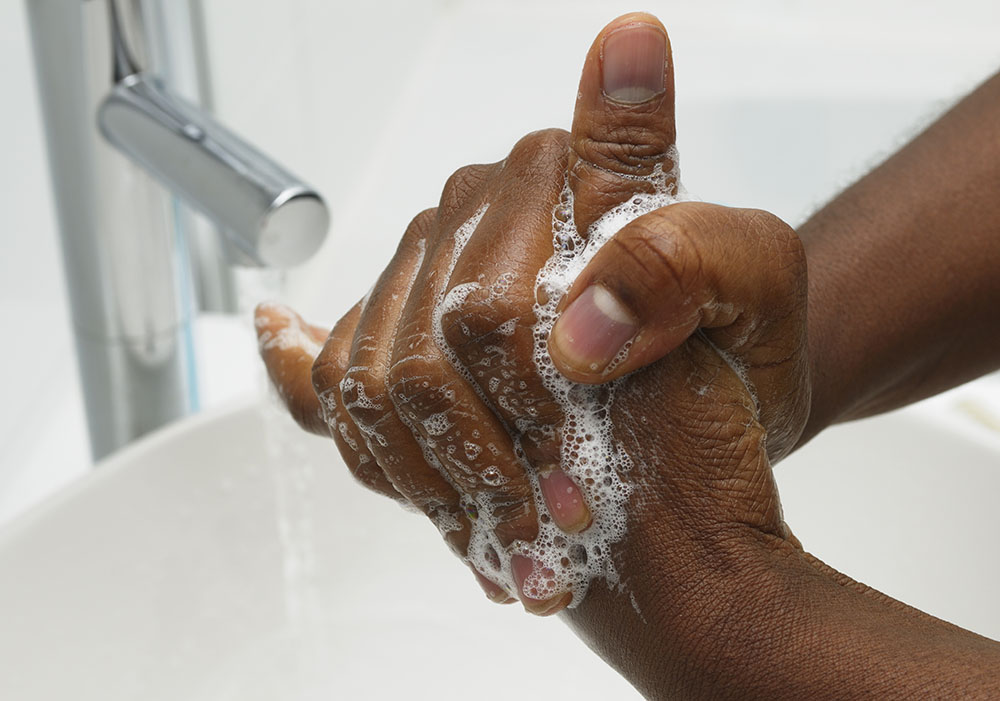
(214, 561)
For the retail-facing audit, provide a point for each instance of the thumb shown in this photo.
(739, 275)
(623, 125)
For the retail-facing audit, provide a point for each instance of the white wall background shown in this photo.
(779, 105)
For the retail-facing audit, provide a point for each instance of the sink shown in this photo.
(231, 556)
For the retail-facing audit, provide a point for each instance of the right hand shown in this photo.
(696, 282)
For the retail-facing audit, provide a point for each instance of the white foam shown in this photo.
(437, 424)
(589, 452)
(290, 336)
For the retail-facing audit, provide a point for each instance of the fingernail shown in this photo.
(493, 592)
(534, 584)
(565, 501)
(633, 63)
(593, 329)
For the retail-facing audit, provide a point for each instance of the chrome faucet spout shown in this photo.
(273, 217)
(126, 155)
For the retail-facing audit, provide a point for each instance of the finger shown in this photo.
(493, 338)
(623, 126)
(491, 328)
(326, 374)
(364, 389)
(437, 388)
(438, 400)
(493, 591)
(288, 345)
(735, 273)
(468, 440)
(533, 579)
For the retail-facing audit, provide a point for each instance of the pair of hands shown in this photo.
(441, 406)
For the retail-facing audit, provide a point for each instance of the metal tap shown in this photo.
(128, 156)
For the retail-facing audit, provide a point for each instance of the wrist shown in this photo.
(696, 618)
(753, 616)
(832, 359)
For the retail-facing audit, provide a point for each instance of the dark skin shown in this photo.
(929, 248)
(898, 302)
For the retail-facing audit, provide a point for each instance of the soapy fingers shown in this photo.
(360, 385)
(433, 396)
(488, 319)
(437, 381)
(289, 347)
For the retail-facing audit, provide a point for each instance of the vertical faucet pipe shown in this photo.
(122, 256)
(123, 243)
(269, 214)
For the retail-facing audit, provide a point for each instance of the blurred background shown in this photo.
(779, 105)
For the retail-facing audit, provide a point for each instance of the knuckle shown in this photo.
(420, 228)
(424, 497)
(780, 246)
(515, 519)
(327, 371)
(367, 473)
(633, 149)
(406, 369)
(512, 501)
(364, 399)
(542, 140)
(480, 319)
(361, 380)
(419, 385)
(420, 225)
(545, 146)
(451, 522)
(459, 328)
(657, 258)
(763, 225)
(461, 186)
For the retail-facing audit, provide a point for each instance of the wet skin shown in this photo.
(382, 375)
(717, 596)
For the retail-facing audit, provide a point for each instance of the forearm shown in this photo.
(768, 621)
(823, 635)
(904, 270)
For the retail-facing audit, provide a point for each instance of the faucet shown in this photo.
(131, 161)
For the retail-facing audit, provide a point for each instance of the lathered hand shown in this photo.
(431, 389)
(692, 317)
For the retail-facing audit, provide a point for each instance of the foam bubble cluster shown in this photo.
(590, 455)
(290, 335)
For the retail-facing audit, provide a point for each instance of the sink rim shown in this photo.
(111, 466)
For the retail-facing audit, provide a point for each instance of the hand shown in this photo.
(714, 596)
(431, 388)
